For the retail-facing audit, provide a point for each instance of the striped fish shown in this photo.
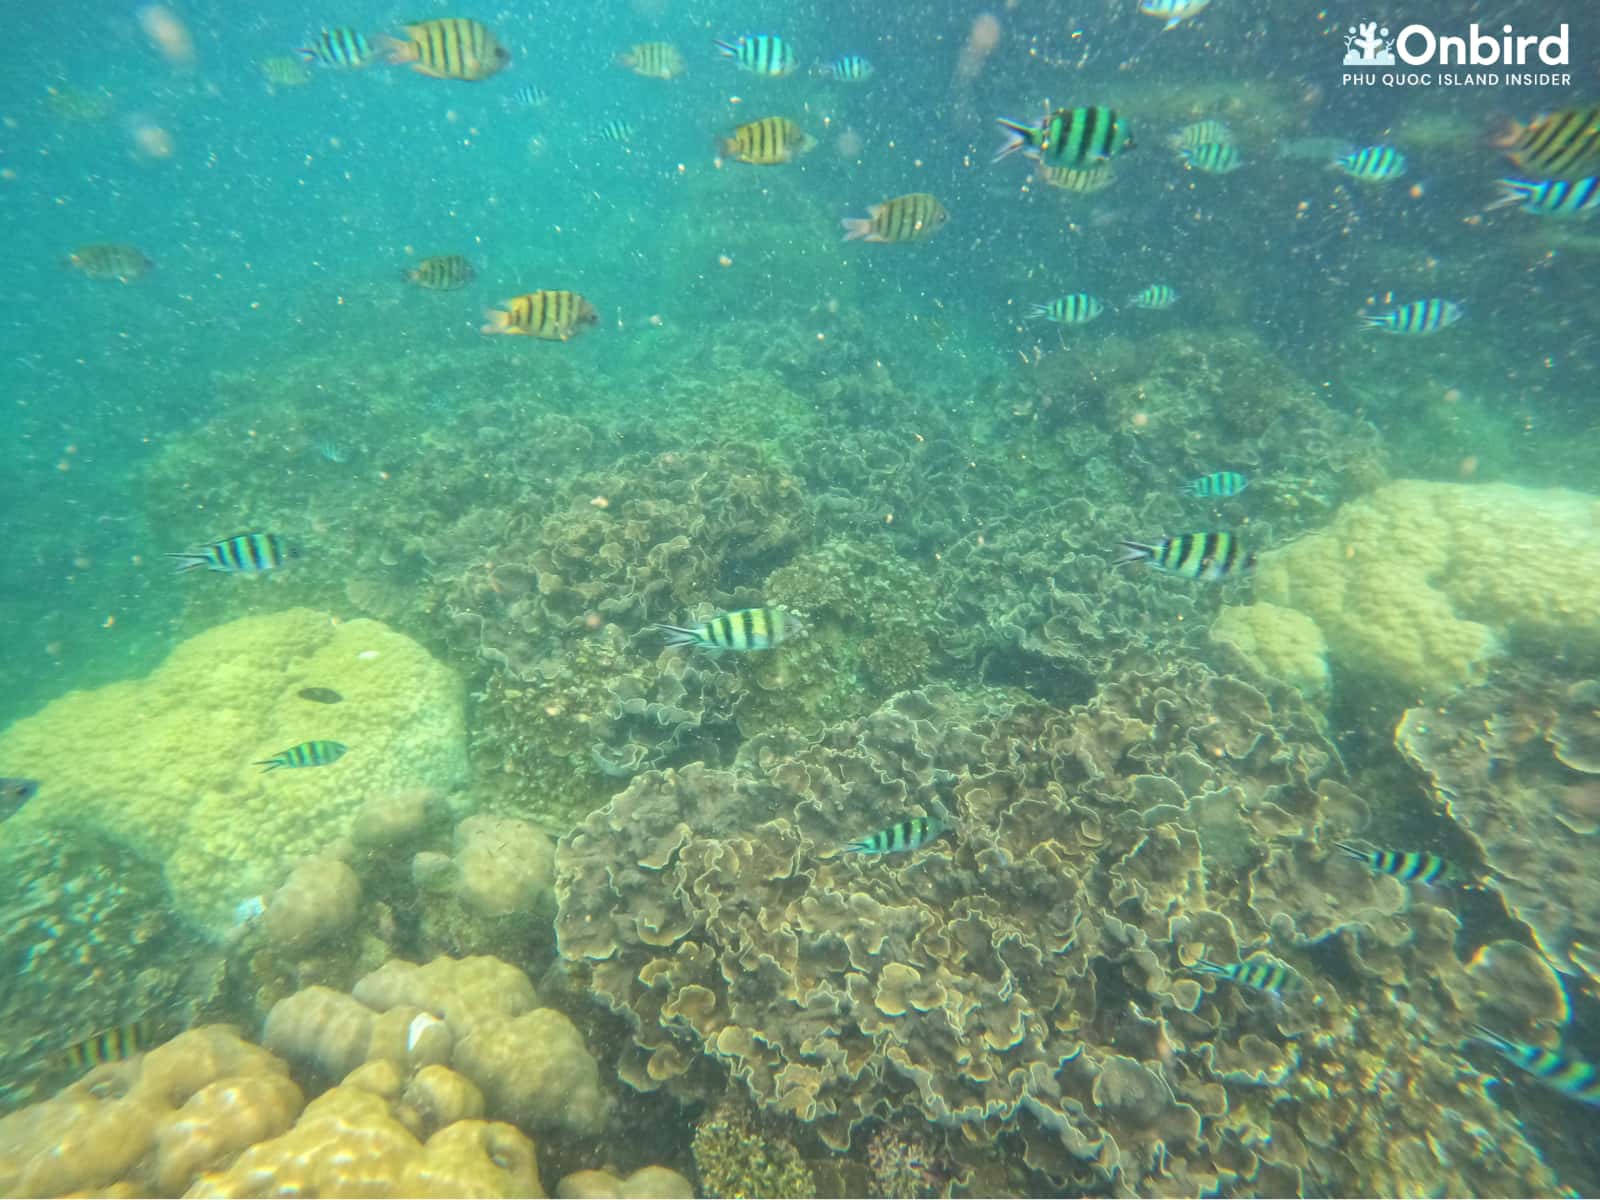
(306, 754)
(911, 834)
(1077, 309)
(653, 60)
(1372, 164)
(109, 260)
(908, 218)
(1204, 556)
(1214, 158)
(529, 95)
(333, 452)
(616, 131)
(1559, 143)
(1567, 1074)
(746, 629)
(1409, 866)
(1172, 11)
(1155, 297)
(761, 54)
(345, 48)
(850, 68)
(767, 142)
(1218, 483)
(554, 316)
(1068, 137)
(1201, 133)
(1418, 317)
(1083, 180)
(441, 273)
(1261, 973)
(110, 1045)
(449, 48)
(241, 554)
(281, 70)
(1552, 197)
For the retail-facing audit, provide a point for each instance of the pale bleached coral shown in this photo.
(320, 900)
(1277, 641)
(169, 773)
(1421, 584)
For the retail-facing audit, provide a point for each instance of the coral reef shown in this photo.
(319, 901)
(492, 893)
(1026, 978)
(1512, 761)
(1420, 585)
(1278, 642)
(647, 1183)
(169, 773)
(734, 1156)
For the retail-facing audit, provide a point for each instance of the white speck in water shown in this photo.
(367, 655)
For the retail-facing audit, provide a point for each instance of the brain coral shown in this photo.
(168, 770)
(1421, 584)
(1025, 977)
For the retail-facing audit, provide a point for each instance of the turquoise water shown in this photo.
(876, 439)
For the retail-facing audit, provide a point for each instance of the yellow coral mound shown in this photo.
(1420, 584)
(163, 764)
(1280, 642)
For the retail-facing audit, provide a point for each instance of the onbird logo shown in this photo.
(1365, 45)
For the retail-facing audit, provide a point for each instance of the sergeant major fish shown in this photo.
(1566, 1073)
(1372, 164)
(1260, 973)
(767, 142)
(760, 54)
(110, 1045)
(1208, 557)
(1552, 197)
(1417, 318)
(241, 554)
(1214, 158)
(1560, 143)
(320, 753)
(908, 218)
(449, 48)
(911, 834)
(653, 60)
(550, 315)
(1077, 309)
(849, 68)
(441, 273)
(1218, 483)
(109, 260)
(1068, 137)
(1411, 866)
(347, 49)
(746, 629)
(1154, 298)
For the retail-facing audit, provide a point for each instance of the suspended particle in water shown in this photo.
(167, 34)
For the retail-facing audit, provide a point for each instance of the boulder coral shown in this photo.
(170, 773)
(1027, 977)
(1422, 585)
(477, 1016)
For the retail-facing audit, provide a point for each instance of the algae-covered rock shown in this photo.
(166, 765)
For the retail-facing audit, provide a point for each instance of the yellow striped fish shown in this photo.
(552, 315)
(653, 60)
(283, 71)
(1083, 180)
(109, 260)
(449, 48)
(767, 142)
(1201, 133)
(110, 1045)
(1557, 143)
(747, 629)
(441, 273)
(903, 219)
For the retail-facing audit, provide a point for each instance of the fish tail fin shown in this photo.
(1173, 22)
(1207, 967)
(1512, 191)
(1353, 851)
(1136, 552)
(858, 846)
(409, 275)
(397, 51)
(188, 561)
(308, 54)
(270, 764)
(499, 321)
(1484, 1034)
(726, 49)
(856, 227)
(678, 635)
(1509, 135)
(1018, 136)
(1368, 322)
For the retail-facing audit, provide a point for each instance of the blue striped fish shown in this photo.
(1418, 317)
(529, 95)
(1155, 297)
(306, 754)
(110, 1045)
(241, 554)
(1261, 974)
(617, 131)
(1372, 164)
(747, 629)
(1552, 197)
(1218, 483)
(1411, 866)
(1068, 137)
(1077, 309)
(339, 48)
(1208, 557)
(760, 54)
(1567, 1074)
(850, 68)
(1214, 158)
(1172, 11)
(911, 834)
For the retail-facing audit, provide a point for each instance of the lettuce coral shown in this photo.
(168, 770)
(1421, 584)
